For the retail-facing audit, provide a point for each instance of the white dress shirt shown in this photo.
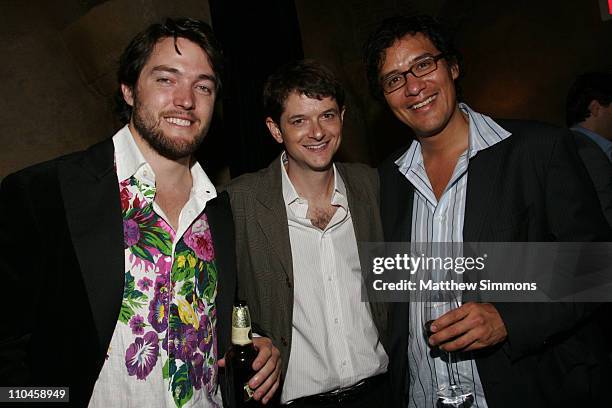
(334, 341)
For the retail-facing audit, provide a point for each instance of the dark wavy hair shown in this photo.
(395, 28)
(138, 52)
(591, 86)
(307, 77)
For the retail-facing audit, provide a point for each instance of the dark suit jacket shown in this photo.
(62, 268)
(265, 267)
(528, 187)
(599, 169)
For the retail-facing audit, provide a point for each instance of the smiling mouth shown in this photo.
(178, 121)
(424, 103)
(317, 147)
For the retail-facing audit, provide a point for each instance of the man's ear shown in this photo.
(342, 114)
(594, 108)
(454, 70)
(274, 130)
(128, 95)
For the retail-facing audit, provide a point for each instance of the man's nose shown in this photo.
(413, 85)
(318, 132)
(184, 97)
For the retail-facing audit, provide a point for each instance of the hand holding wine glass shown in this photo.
(471, 326)
(451, 393)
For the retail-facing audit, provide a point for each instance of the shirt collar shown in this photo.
(483, 133)
(129, 162)
(290, 195)
(602, 142)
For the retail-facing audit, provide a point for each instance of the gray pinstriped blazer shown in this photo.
(265, 269)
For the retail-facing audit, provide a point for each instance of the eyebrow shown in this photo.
(298, 116)
(330, 110)
(166, 68)
(412, 62)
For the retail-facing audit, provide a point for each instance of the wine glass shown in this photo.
(451, 394)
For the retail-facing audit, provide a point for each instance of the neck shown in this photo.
(312, 185)
(168, 172)
(604, 132)
(452, 140)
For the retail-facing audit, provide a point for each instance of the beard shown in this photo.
(149, 128)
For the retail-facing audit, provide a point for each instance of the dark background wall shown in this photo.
(59, 66)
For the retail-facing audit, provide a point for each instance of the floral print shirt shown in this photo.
(163, 352)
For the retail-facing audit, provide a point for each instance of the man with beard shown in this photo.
(126, 295)
(469, 178)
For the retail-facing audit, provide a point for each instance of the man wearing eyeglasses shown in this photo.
(469, 178)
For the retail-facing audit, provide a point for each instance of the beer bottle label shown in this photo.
(241, 335)
(248, 392)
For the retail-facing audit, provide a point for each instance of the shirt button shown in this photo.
(329, 278)
(288, 283)
(343, 363)
(336, 320)
(284, 341)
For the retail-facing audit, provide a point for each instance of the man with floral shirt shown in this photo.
(126, 297)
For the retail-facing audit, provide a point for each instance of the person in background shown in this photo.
(589, 116)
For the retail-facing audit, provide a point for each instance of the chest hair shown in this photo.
(320, 217)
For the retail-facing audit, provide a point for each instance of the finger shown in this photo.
(449, 318)
(263, 373)
(270, 393)
(264, 348)
(221, 362)
(450, 333)
(477, 345)
(461, 342)
(271, 384)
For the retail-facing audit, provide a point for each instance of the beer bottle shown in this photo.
(239, 358)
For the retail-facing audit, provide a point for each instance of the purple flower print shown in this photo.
(210, 378)
(145, 283)
(137, 324)
(141, 356)
(196, 371)
(158, 312)
(183, 342)
(131, 232)
(205, 334)
(199, 239)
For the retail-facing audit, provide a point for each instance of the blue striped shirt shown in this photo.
(441, 221)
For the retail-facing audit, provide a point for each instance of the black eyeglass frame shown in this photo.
(434, 58)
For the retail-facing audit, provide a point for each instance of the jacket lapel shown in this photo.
(482, 172)
(93, 211)
(222, 230)
(402, 208)
(272, 216)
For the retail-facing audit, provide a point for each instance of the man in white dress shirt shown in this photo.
(297, 227)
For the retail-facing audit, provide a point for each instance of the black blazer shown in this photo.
(62, 268)
(528, 187)
(599, 168)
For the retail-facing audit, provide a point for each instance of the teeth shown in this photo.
(179, 122)
(425, 102)
(316, 147)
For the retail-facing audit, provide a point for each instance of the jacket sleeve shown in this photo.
(573, 215)
(19, 266)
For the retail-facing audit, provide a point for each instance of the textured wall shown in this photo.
(58, 71)
(58, 66)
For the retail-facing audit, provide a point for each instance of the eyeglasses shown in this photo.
(419, 69)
